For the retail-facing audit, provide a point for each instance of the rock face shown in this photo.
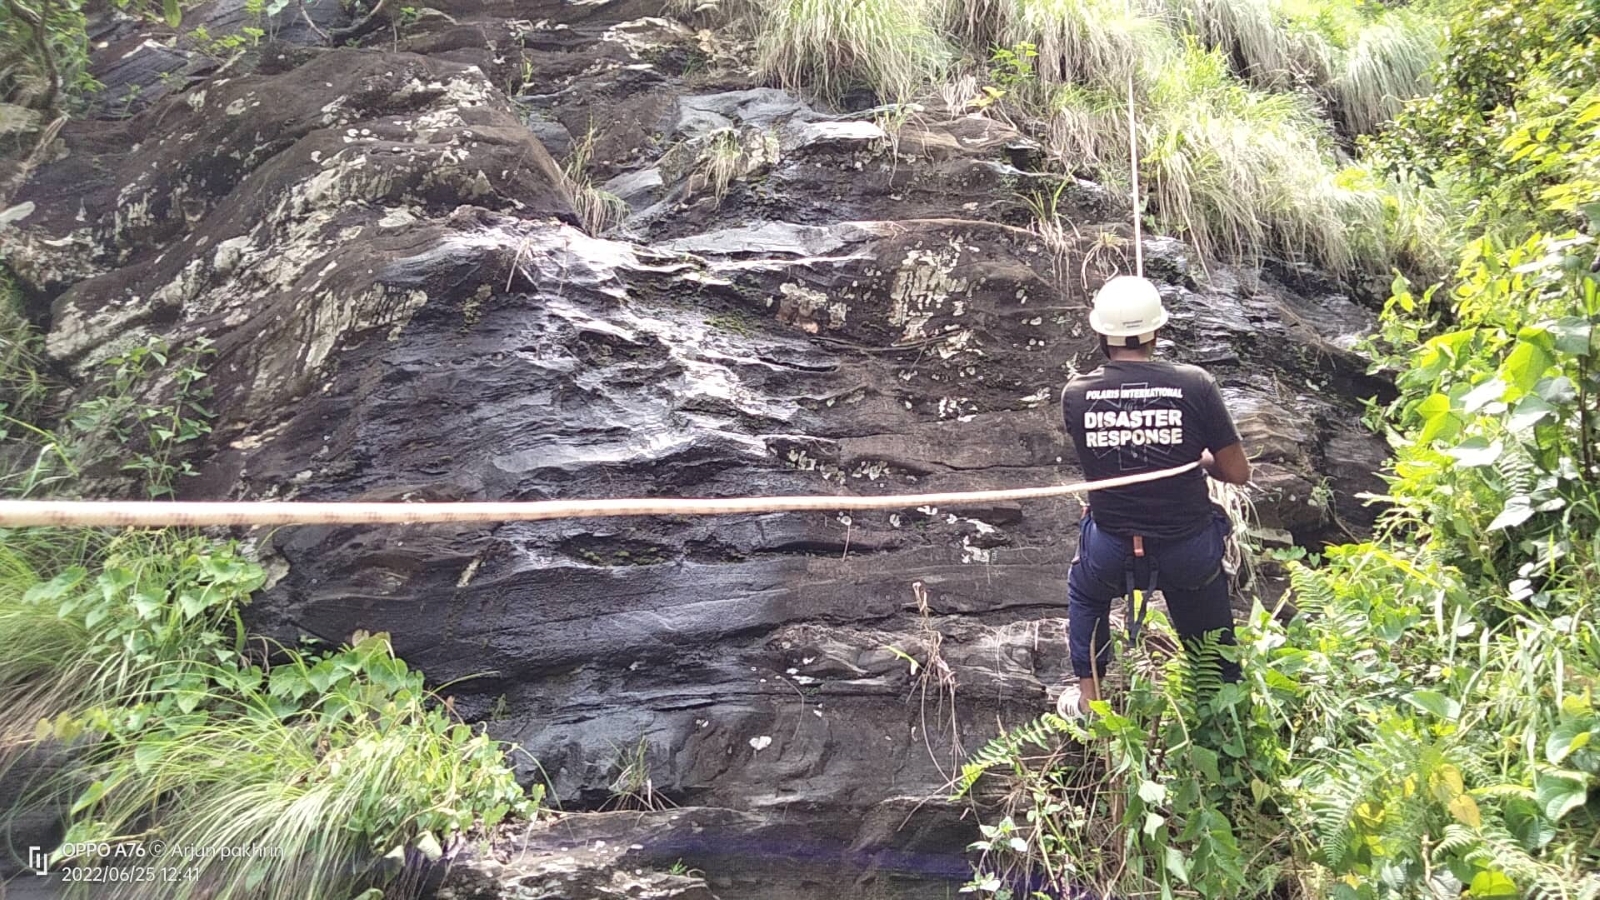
(404, 306)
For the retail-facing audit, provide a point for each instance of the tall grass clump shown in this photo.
(23, 388)
(1388, 63)
(1269, 49)
(1363, 65)
(976, 24)
(1088, 130)
(831, 47)
(597, 209)
(46, 667)
(1245, 174)
(336, 772)
(1093, 43)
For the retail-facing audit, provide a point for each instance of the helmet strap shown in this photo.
(1131, 342)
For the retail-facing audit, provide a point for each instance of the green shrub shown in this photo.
(336, 762)
(1496, 456)
(1384, 744)
(147, 411)
(159, 606)
(45, 50)
(1517, 76)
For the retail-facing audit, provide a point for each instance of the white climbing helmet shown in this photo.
(1128, 307)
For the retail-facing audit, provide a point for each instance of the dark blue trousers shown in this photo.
(1188, 573)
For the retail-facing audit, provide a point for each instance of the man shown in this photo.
(1136, 414)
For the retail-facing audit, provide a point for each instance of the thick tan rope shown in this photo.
(154, 514)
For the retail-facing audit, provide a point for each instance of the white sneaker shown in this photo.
(1070, 704)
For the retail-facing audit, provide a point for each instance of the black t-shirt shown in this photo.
(1129, 417)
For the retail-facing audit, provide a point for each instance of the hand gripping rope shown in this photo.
(155, 514)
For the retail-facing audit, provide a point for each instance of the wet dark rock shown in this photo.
(32, 819)
(689, 854)
(759, 107)
(387, 258)
(636, 188)
(553, 136)
(279, 214)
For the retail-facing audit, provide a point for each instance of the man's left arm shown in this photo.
(1223, 457)
(1227, 464)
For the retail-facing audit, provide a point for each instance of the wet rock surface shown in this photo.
(381, 245)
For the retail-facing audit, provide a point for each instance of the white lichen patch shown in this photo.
(956, 407)
(229, 253)
(974, 554)
(395, 218)
(133, 211)
(187, 286)
(810, 309)
(958, 341)
(468, 572)
(1037, 398)
(871, 471)
(980, 526)
(332, 110)
(922, 287)
(414, 301)
(803, 461)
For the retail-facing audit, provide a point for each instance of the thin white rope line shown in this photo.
(1133, 165)
(156, 514)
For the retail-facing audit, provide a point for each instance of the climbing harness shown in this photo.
(1139, 602)
(157, 514)
(1136, 608)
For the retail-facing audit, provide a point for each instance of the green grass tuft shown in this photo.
(1088, 130)
(340, 772)
(23, 387)
(1094, 43)
(831, 47)
(1388, 64)
(598, 210)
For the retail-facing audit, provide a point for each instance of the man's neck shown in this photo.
(1124, 354)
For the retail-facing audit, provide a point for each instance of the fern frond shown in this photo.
(1005, 749)
(1312, 588)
